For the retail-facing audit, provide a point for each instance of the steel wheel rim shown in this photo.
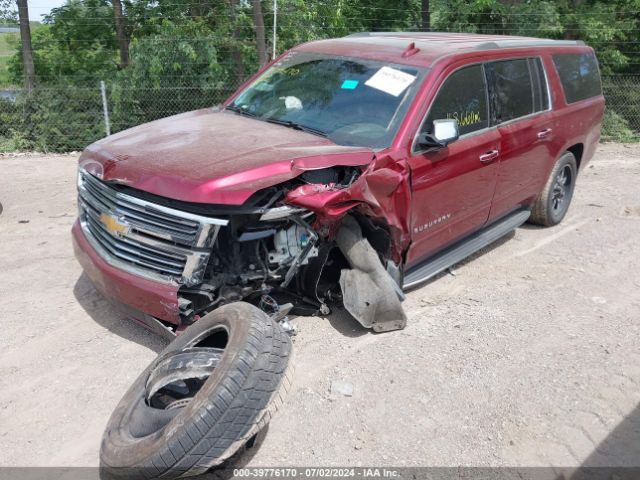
(173, 381)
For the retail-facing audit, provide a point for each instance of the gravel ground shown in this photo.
(524, 355)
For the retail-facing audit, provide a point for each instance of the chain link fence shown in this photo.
(68, 118)
(65, 119)
(622, 117)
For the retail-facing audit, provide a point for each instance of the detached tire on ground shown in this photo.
(553, 202)
(203, 397)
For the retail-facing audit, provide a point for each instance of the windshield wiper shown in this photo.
(296, 126)
(284, 123)
(240, 110)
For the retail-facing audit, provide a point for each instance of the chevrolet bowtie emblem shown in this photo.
(114, 225)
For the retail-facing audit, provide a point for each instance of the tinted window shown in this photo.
(463, 97)
(579, 75)
(513, 95)
(519, 88)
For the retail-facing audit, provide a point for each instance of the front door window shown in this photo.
(463, 97)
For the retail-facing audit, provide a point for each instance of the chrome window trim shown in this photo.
(546, 79)
(524, 117)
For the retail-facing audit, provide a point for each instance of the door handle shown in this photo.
(544, 133)
(489, 156)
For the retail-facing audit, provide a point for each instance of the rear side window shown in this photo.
(519, 88)
(579, 75)
(463, 96)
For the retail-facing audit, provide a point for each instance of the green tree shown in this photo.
(610, 27)
(8, 13)
(174, 70)
(76, 44)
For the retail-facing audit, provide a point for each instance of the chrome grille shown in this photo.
(142, 237)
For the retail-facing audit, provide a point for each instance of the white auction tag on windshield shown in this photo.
(390, 80)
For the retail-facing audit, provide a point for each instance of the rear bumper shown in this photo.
(143, 297)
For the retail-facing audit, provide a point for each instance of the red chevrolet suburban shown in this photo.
(346, 171)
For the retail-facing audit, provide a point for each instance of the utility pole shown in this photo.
(121, 33)
(258, 23)
(275, 26)
(27, 49)
(425, 16)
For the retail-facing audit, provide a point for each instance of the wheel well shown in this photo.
(577, 150)
(375, 232)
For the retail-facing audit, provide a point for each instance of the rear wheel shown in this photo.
(205, 395)
(553, 202)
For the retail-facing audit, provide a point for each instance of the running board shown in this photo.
(461, 250)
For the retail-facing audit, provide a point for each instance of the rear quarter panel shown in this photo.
(578, 123)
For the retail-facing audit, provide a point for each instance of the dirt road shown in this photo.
(528, 355)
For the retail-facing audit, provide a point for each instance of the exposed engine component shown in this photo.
(268, 249)
(253, 257)
(289, 243)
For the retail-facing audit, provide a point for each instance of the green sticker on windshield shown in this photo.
(350, 84)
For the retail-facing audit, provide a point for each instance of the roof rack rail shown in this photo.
(401, 34)
(527, 43)
(488, 45)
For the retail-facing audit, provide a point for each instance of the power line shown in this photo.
(415, 10)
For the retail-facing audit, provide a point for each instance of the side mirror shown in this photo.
(445, 131)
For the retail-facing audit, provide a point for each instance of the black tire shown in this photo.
(238, 389)
(552, 204)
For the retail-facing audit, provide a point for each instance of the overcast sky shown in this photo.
(37, 8)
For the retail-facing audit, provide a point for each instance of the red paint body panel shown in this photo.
(153, 298)
(449, 184)
(383, 191)
(208, 156)
(453, 185)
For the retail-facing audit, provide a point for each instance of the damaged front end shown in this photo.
(313, 241)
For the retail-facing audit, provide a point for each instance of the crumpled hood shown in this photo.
(212, 156)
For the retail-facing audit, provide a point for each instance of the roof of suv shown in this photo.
(428, 46)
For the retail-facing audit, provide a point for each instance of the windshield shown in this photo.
(350, 101)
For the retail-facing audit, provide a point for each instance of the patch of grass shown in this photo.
(615, 128)
(8, 42)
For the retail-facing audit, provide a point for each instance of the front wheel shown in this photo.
(205, 396)
(553, 202)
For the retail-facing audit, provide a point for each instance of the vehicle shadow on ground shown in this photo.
(108, 316)
(619, 450)
(342, 321)
(616, 457)
(239, 460)
(474, 256)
